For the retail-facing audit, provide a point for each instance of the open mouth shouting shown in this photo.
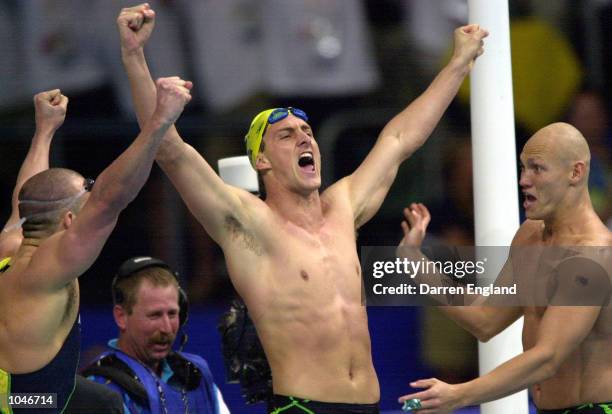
(306, 162)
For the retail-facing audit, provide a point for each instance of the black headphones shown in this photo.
(135, 264)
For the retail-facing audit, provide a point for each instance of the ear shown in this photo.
(120, 316)
(578, 172)
(261, 162)
(68, 219)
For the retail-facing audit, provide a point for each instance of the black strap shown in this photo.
(117, 371)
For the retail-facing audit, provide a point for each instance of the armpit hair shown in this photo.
(238, 233)
(72, 299)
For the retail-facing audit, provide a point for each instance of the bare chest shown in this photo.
(321, 264)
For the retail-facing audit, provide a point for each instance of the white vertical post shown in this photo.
(496, 210)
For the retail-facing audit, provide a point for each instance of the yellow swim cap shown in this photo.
(260, 122)
(256, 131)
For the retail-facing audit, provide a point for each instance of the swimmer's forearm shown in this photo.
(470, 311)
(144, 96)
(119, 184)
(415, 124)
(560, 332)
(520, 372)
(172, 152)
(482, 322)
(142, 86)
(35, 161)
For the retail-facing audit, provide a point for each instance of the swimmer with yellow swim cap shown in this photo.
(259, 125)
(293, 257)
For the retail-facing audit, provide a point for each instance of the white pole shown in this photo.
(495, 182)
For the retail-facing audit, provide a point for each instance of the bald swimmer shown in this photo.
(566, 361)
(67, 222)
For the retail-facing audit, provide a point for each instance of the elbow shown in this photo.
(549, 363)
(404, 142)
(110, 200)
(408, 145)
(483, 335)
(484, 331)
(472, 320)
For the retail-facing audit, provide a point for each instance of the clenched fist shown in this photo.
(173, 94)
(469, 44)
(135, 25)
(50, 108)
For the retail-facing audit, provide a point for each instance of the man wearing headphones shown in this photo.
(149, 309)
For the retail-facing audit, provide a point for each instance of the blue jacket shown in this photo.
(185, 386)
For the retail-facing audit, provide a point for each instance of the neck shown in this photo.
(572, 219)
(39, 233)
(31, 241)
(304, 210)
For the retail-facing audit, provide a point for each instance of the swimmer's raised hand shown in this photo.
(469, 44)
(135, 26)
(173, 94)
(50, 108)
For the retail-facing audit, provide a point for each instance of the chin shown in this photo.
(158, 356)
(314, 187)
(538, 215)
(311, 185)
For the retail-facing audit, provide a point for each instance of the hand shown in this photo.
(50, 109)
(469, 44)
(415, 226)
(437, 398)
(172, 95)
(135, 26)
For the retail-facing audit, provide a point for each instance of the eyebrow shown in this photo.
(531, 161)
(304, 127)
(291, 129)
(286, 129)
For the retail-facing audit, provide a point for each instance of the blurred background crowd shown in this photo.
(350, 64)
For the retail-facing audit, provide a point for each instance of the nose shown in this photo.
(304, 138)
(165, 325)
(524, 182)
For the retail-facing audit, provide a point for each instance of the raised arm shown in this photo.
(561, 331)
(408, 130)
(208, 198)
(484, 322)
(50, 112)
(67, 254)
